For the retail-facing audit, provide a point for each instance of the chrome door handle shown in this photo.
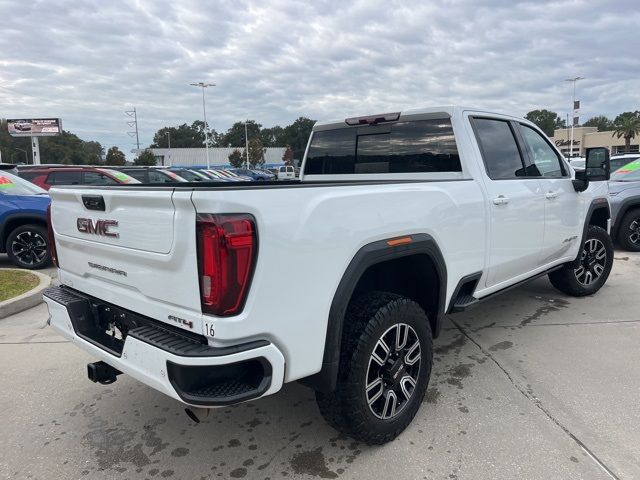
(500, 200)
(551, 195)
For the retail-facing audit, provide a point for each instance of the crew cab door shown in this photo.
(516, 202)
(562, 228)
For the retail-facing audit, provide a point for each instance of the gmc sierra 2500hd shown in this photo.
(397, 220)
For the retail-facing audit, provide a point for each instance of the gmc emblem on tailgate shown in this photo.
(97, 227)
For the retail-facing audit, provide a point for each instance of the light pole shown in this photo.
(26, 155)
(169, 141)
(246, 144)
(204, 110)
(573, 108)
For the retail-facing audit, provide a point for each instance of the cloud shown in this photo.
(89, 61)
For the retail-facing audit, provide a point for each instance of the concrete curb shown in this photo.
(28, 299)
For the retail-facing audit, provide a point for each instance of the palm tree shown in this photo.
(627, 125)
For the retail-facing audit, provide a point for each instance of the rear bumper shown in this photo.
(159, 356)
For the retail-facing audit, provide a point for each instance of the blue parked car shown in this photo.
(23, 220)
(254, 175)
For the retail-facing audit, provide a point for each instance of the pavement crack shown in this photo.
(529, 396)
(559, 324)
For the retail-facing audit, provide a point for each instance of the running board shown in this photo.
(462, 302)
(463, 294)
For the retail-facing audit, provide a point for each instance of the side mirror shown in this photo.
(597, 165)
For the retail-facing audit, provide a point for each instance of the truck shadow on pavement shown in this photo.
(131, 431)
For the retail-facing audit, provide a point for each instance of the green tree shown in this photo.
(235, 137)
(256, 152)
(272, 137)
(236, 159)
(69, 149)
(627, 126)
(115, 156)
(184, 136)
(297, 134)
(601, 122)
(287, 156)
(12, 149)
(145, 158)
(546, 120)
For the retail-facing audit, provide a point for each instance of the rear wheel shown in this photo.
(629, 233)
(384, 370)
(27, 247)
(590, 271)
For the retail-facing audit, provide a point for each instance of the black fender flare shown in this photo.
(596, 204)
(368, 255)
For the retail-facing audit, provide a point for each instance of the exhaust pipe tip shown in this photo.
(196, 414)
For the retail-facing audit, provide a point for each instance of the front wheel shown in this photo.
(27, 247)
(384, 369)
(590, 271)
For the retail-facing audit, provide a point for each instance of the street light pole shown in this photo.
(573, 81)
(204, 110)
(169, 141)
(246, 145)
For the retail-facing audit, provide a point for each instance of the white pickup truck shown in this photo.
(397, 220)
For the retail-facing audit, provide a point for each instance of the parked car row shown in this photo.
(24, 199)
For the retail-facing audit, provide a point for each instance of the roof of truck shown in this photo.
(446, 109)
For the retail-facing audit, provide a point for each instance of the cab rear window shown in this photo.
(401, 147)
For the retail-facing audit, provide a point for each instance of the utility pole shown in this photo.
(204, 111)
(133, 113)
(246, 144)
(169, 141)
(574, 109)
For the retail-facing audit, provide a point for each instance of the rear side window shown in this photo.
(64, 178)
(158, 177)
(499, 149)
(29, 175)
(402, 147)
(137, 174)
(95, 178)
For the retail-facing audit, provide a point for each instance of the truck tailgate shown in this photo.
(133, 248)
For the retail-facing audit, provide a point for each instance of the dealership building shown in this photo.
(587, 137)
(218, 157)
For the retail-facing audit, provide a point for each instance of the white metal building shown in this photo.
(218, 157)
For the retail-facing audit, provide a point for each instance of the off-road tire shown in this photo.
(566, 278)
(30, 233)
(625, 232)
(366, 320)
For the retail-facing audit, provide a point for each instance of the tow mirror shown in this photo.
(597, 165)
(597, 168)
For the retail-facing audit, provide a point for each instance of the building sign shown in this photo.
(566, 143)
(34, 127)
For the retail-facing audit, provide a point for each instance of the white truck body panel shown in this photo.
(307, 235)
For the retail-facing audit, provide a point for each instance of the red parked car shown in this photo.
(47, 176)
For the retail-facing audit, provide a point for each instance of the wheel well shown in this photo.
(599, 217)
(16, 222)
(413, 276)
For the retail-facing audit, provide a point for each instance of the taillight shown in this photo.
(53, 253)
(227, 246)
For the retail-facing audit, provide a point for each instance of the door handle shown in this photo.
(551, 195)
(500, 200)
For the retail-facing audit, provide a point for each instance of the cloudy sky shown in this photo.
(89, 61)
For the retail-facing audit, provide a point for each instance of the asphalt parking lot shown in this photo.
(529, 385)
